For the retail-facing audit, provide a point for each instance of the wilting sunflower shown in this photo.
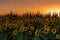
(37, 32)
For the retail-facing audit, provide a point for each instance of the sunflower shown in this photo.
(46, 29)
(15, 32)
(57, 36)
(31, 28)
(53, 30)
(37, 32)
(22, 29)
(41, 30)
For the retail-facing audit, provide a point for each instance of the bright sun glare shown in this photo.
(52, 11)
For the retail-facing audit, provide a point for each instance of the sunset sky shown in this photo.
(20, 6)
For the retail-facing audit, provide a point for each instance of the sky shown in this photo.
(20, 6)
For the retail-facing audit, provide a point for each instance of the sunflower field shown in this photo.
(29, 27)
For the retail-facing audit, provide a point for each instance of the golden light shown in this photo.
(53, 11)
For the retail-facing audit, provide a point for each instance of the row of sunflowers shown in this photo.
(29, 27)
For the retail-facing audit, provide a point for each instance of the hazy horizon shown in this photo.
(20, 6)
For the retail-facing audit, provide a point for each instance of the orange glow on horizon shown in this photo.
(43, 9)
